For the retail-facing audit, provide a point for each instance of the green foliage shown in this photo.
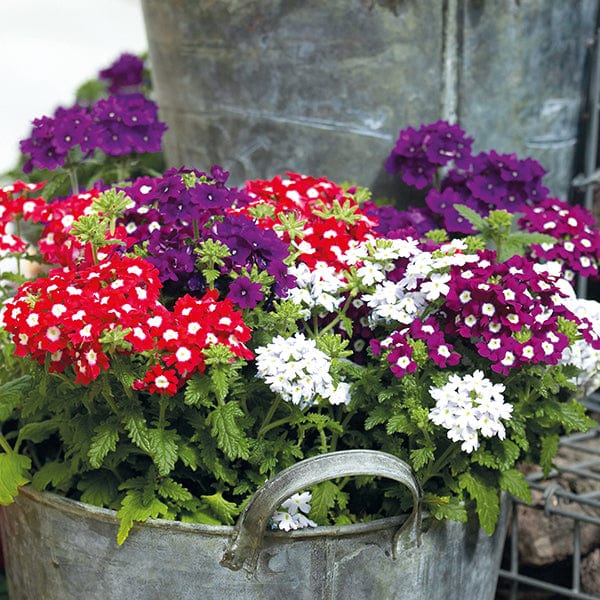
(225, 427)
(513, 481)
(445, 507)
(163, 449)
(346, 211)
(549, 448)
(224, 510)
(11, 394)
(14, 472)
(325, 498)
(210, 256)
(486, 496)
(104, 441)
(138, 505)
(99, 488)
(496, 231)
(199, 454)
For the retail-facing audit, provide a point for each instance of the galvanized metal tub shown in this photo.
(60, 549)
(323, 88)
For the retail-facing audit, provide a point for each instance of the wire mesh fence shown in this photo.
(553, 545)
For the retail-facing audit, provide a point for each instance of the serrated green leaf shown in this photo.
(197, 392)
(136, 507)
(342, 519)
(122, 371)
(224, 427)
(377, 416)
(54, 473)
(163, 449)
(445, 507)
(487, 501)
(104, 441)
(518, 242)
(11, 395)
(58, 185)
(322, 422)
(223, 509)
(574, 418)
(172, 490)
(419, 457)
(14, 472)
(98, 488)
(202, 517)
(399, 423)
(212, 461)
(189, 456)
(470, 215)
(323, 500)
(526, 238)
(514, 482)
(219, 379)
(501, 454)
(549, 448)
(137, 430)
(38, 432)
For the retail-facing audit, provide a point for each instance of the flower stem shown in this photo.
(5, 445)
(272, 425)
(72, 171)
(338, 317)
(436, 467)
(162, 412)
(264, 425)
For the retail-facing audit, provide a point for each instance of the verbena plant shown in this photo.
(181, 340)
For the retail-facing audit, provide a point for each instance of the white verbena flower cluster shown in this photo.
(468, 406)
(580, 353)
(405, 300)
(297, 370)
(317, 287)
(292, 514)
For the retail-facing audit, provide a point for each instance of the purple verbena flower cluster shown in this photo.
(484, 182)
(124, 74)
(419, 152)
(492, 182)
(415, 221)
(173, 219)
(119, 125)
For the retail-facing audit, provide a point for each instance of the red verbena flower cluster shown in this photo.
(15, 204)
(325, 237)
(78, 318)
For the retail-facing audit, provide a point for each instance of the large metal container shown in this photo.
(59, 549)
(265, 86)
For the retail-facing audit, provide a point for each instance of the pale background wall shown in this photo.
(49, 47)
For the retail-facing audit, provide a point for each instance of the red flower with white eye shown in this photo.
(159, 381)
(89, 361)
(187, 359)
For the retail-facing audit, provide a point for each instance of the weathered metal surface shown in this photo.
(522, 79)
(58, 549)
(324, 87)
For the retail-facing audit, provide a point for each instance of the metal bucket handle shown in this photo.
(246, 541)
